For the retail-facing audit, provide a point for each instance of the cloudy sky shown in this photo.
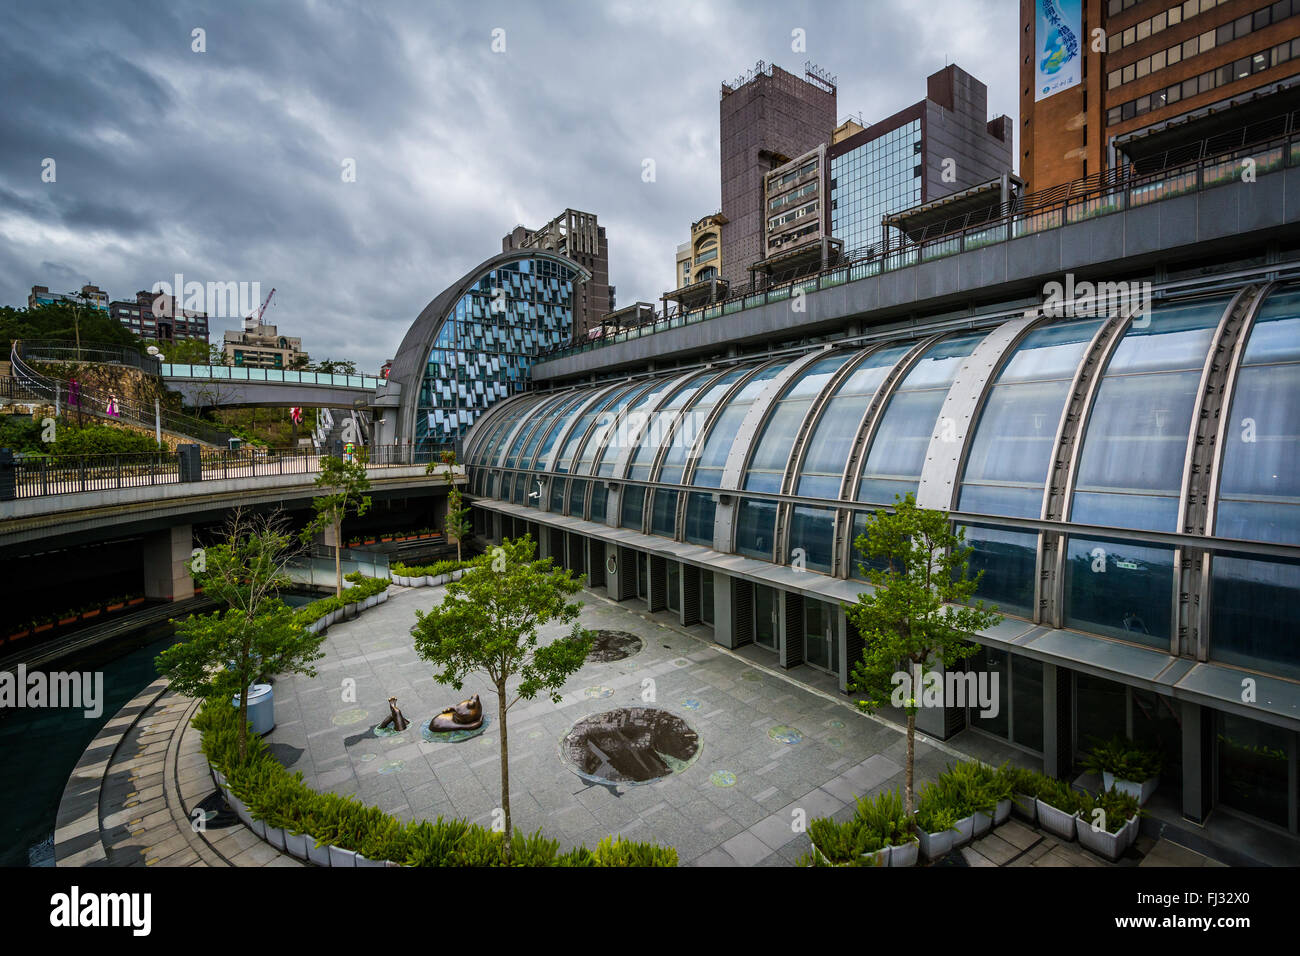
(227, 165)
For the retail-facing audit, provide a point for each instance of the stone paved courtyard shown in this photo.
(731, 806)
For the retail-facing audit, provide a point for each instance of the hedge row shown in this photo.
(281, 799)
(362, 588)
(429, 570)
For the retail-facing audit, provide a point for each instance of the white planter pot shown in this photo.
(383, 596)
(320, 855)
(1057, 822)
(1139, 791)
(935, 846)
(430, 581)
(1131, 830)
(983, 823)
(341, 857)
(275, 837)
(1002, 813)
(439, 580)
(218, 778)
(879, 858)
(904, 855)
(257, 827)
(1102, 842)
(295, 844)
(240, 809)
(1025, 807)
(456, 575)
(965, 828)
(366, 861)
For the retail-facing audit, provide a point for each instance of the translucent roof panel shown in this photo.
(500, 447)
(659, 426)
(1259, 489)
(535, 417)
(539, 446)
(604, 423)
(832, 437)
(1131, 461)
(897, 453)
(691, 422)
(544, 426)
(713, 454)
(771, 454)
(564, 459)
(1011, 451)
(630, 427)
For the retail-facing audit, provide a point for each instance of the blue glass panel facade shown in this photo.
(880, 177)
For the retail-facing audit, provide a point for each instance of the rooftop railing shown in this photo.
(1193, 168)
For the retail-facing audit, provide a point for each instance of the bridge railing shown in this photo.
(228, 373)
(34, 476)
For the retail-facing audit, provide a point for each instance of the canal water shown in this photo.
(40, 747)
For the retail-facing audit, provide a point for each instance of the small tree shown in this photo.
(458, 525)
(347, 484)
(488, 623)
(256, 635)
(917, 617)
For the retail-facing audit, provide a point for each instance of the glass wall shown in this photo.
(1010, 697)
(487, 342)
(1253, 764)
(821, 635)
(771, 454)
(765, 616)
(713, 456)
(1120, 589)
(687, 427)
(880, 177)
(1131, 465)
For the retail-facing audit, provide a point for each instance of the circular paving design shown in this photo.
(614, 646)
(630, 745)
(346, 717)
(785, 734)
(722, 778)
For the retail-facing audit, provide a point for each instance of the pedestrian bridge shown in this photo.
(208, 386)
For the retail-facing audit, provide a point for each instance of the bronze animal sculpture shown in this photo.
(467, 715)
(394, 718)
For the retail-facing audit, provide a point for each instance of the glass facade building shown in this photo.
(473, 346)
(882, 176)
(1078, 452)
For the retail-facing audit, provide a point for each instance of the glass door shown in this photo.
(821, 636)
(765, 616)
(674, 586)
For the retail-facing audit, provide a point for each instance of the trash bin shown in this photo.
(261, 708)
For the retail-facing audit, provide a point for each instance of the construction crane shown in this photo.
(251, 321)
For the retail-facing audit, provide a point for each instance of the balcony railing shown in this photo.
(1214, 162)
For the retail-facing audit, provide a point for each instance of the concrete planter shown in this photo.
(320, 855)
(241, 811)
(218, 778)
(983, 823)
(1025, 807)
(457, 575)
(366, 861)
(275, 837)
(1057, 822)
(904, 855)
(430, 581)
(879, 858)
(295, 844)
(341, 857)
(383, 597)
(1139, 791)
(935, 846)
(965, 828)
(1102, 842)
(1003, 812)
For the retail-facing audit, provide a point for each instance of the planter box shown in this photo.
(383, 597)
(67, 620)
(275, 837)
(341, 857)
(41, 627)
(1102, 842)
(366, 861)
(879, 858)
(87, 615)
(237, 805)
(456, 575)
(115, 607)
(320, 855)
(1003, 812)
(904, 855)
(1025, 807)
(430, 581)
(935, 846)
(1139, 791)
(1057, 822)
(1132, 828)
(295, 844)
(965, 828)
(134, 601)
(983, 822)
(19, 635)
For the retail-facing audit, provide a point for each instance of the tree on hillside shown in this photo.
(917, 618)
(487, 623)
(345, 484)
(63, 321)
(254, 635)
(458, 526)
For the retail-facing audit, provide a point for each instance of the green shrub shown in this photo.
(1020, 780)
(933, 812)
(1062, 796)
(884, 816)
(283, 800)
(1119, 808)
(1123, 758)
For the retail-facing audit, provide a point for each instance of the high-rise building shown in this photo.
(767, 118)
(1105, 83)
(158, 317)
(942, 145)
(262, 346)
(91, 295)
(580, 238)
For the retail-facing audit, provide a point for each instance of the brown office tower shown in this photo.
(768, 117)
(1110, 83)
(581, 238)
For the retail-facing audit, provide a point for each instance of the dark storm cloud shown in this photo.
(225, 165)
